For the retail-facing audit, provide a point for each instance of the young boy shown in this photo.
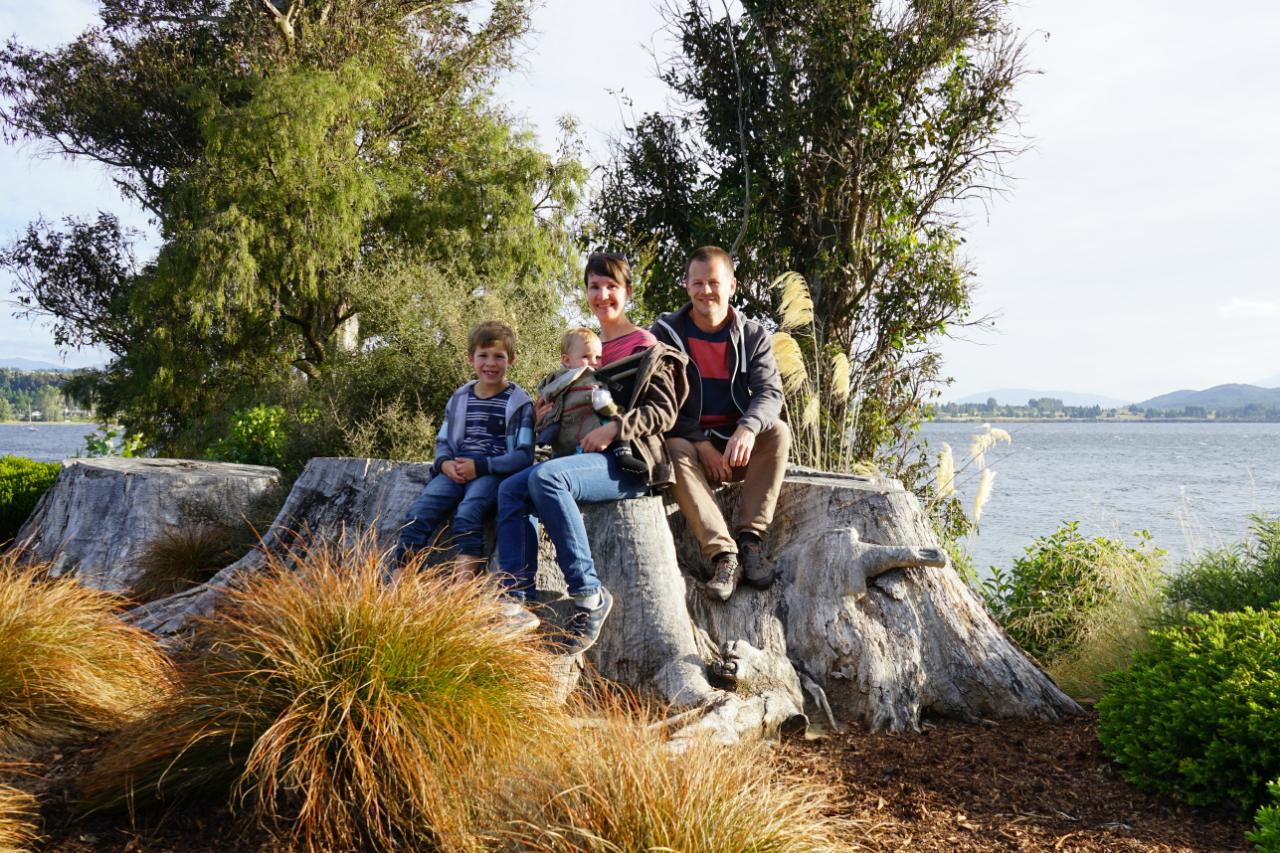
(486, 435)
(581, 401)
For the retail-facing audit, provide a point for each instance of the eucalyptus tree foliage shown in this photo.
(306, 165)
(839, 139)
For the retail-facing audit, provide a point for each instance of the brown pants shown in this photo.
(761, 481)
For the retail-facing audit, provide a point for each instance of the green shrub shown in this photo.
(1266, 835)
(255, 436)
(1198, 714)
(1243, 575)
(1065, 585)
(348, 713)
(22, 482)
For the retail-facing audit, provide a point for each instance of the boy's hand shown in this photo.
(713, 463)
(466, 470)
(448, 469)
(738, 451)
(599, 438)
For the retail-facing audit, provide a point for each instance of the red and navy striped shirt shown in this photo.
(710, 353)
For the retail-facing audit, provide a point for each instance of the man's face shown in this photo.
(710, 285)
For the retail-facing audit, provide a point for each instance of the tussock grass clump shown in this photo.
(345, 713)
(181, 557)
(619, 786)
(1230, 579)
(68, 665)
(17, 820)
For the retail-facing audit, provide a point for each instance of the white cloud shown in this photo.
(1249, 309)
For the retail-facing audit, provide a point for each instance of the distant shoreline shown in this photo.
(979, 419)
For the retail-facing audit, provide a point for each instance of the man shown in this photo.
(729, 427)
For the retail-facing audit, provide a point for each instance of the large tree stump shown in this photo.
(866, 622)
(100, 515)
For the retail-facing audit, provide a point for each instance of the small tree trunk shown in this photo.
(100, 515)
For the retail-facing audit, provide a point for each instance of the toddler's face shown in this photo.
(583, 353)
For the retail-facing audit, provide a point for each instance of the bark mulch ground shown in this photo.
(1020, 785)
(1012, 786)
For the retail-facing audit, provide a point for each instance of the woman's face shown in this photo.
(607, 298)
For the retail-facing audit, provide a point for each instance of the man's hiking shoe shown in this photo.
(755, 570)
(519, 617)
(725, 574)
(584, 626)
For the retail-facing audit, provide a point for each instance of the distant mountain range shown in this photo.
(32, 364)
(1020, 396)
(1217, 397)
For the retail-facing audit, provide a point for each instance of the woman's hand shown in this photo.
(599, 438)
(542, 408)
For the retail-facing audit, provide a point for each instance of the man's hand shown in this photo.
(738, 451)
(599, 438)
(713, 463)
(465, 469)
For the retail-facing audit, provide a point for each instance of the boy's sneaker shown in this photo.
(584, 626)
(518, 616)
(751, 555)
(725, 574)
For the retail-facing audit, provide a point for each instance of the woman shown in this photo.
(551, 490)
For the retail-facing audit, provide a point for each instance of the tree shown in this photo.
(837, 139)
(304, 164)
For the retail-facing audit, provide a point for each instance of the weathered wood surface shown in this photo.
(865, 622)
(100, 514)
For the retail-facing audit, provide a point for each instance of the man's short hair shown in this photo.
(609, 264)
(578, 333)
(709, 254)
(492, 332)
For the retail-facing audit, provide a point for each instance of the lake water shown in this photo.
(1192, 485)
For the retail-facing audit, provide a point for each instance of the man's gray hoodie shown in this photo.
(756, 387)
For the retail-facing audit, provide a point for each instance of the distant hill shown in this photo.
(1020, 396)
(31, 364)
(1217, 397)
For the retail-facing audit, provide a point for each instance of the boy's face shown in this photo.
(490, 362)
(583, 353)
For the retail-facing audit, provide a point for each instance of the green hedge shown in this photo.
(22, 482)
(1198, 714)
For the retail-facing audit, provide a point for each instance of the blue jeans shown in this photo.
(437, 502)
(550, 491)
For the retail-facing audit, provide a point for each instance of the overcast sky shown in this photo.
(1132, 256)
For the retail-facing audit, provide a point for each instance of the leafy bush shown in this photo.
(1065, 586)
(17, 820)
(255, 436)
(618, 785)
(22, 482)
(347, 713)
(1266, 835)
(1227, 579)
(68, 664)
(1198, 714)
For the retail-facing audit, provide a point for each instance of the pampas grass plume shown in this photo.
(810, 417)
(945, 485)
(796, 306)
(790, 362)
(840, 377)
(984, 493)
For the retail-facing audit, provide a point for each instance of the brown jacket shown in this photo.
(651, 386)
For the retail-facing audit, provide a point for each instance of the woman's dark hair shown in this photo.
(609, 264)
